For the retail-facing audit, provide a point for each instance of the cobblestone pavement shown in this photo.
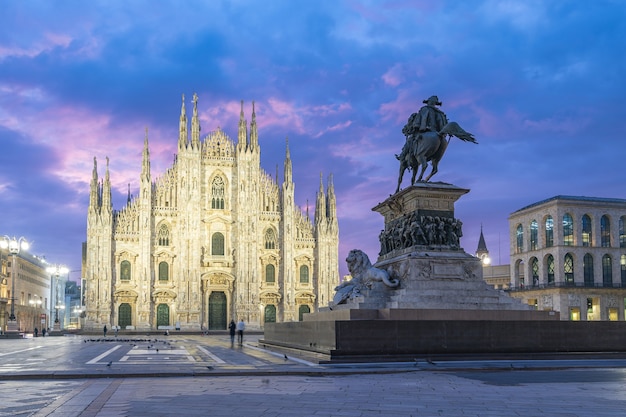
(202, 376)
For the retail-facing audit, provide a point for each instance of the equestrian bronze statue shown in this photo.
(428, 133)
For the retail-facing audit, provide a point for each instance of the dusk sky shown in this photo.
(540, 84)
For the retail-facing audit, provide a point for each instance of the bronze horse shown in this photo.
(431, 147)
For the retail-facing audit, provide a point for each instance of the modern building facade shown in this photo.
(569, 254)
(31, 288)
(214, 238)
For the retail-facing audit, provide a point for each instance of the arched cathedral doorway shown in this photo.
(217, 311)
(163, 315)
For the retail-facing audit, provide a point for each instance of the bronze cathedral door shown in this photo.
(217, 311)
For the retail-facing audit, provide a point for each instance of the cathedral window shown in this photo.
(270, 239)
(125, 271)
(217, 193)
(304, 274)
(163, 235)
(217, 244)
(605, 231)
(164, 271)
(587, 231)
(270, 274)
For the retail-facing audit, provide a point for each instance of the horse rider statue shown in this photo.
(428, 119)
(426, 132)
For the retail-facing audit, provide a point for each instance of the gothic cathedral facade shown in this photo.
(214, 238)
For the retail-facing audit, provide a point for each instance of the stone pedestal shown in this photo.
(420, 247)
(442, 305)
(12, 328)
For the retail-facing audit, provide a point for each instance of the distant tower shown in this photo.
(482, 252)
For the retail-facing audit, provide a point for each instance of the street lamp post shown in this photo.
(55, 271)
(15, 246)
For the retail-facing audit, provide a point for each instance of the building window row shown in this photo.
(569, 271)
(568, 227)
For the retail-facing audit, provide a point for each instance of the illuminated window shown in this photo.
(534, 266)
(534, 231)
(519, 235)
(568, 269)
(568, 230)
(587, 231)
(605, 231)
(549, 231)
(622, 262)
(574, 313)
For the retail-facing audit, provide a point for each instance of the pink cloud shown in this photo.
(37, 47)
(394, 76)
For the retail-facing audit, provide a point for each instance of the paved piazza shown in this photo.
(203, 375)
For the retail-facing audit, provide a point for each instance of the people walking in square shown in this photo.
(43, 332)
(36, 332)
(104, 330)
(232, 327)
(241, 326)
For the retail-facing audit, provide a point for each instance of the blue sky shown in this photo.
(540, 84)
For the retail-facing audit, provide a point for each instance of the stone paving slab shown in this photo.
(76, 377)
(419, 393)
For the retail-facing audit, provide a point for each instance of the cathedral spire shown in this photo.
(145, 164)
(320, 205)
(128, 199)
(332, 201)
(183, 136)
(288, 170)
(93, 187)
(254, 135)
(242, 137)
(106, 191)
(195, 124)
